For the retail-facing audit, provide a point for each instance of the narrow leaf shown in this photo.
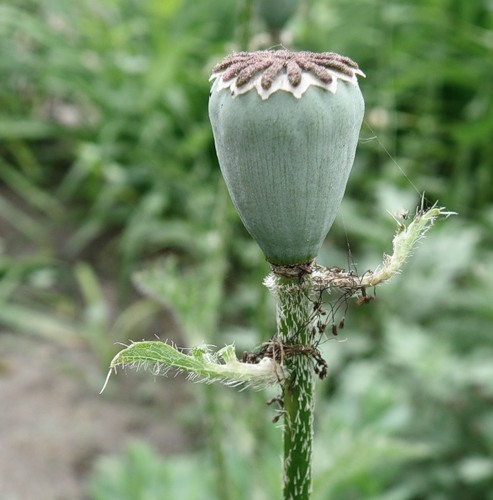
(200, 363)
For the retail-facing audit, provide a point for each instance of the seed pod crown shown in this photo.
(271, 70)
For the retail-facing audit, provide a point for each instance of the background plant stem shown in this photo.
(294, 311)
(244, 29)
(216, 442)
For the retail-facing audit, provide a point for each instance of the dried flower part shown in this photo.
(268, 71)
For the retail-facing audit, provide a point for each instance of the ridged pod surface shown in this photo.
(286, 126)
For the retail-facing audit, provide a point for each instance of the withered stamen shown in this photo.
(250, 71)
(294, 73)
(271, 72)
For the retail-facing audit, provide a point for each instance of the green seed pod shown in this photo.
(286, 126)
(275, 13)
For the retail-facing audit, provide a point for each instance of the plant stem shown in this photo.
(294, 319)
(244, 24)
(214, 273)
(212, 404)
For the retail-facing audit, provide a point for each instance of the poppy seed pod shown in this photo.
(276, 13)
(286, 125)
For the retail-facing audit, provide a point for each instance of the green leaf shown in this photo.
(201, 364)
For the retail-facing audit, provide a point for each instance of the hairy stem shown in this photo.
(294, 319)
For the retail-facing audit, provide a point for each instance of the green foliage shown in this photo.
(142, 474)
(428, 97)
(107, 159)
(119, 111)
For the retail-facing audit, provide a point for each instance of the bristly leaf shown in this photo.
(404, 242)
(200, 363)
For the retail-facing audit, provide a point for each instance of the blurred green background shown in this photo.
(115, 225)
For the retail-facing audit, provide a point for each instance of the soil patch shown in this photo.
(54, 424)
